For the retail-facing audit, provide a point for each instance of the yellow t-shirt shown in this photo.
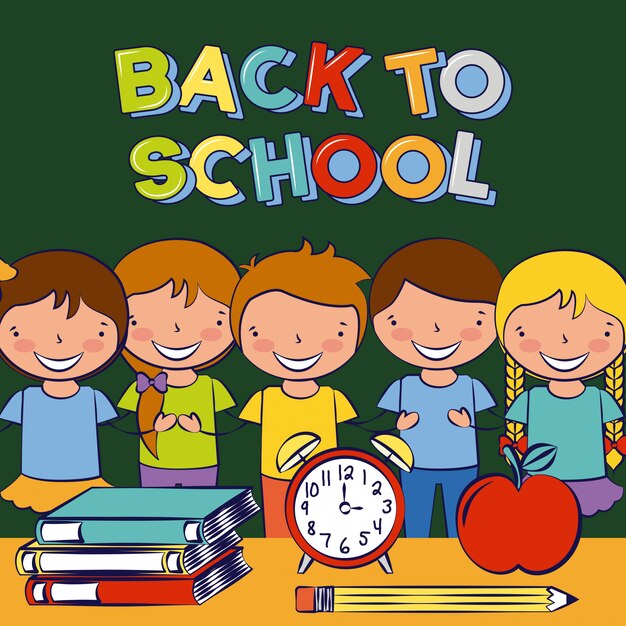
(282, 416)
(178, 448)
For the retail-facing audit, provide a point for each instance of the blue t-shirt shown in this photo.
(436, 442)
(574, 425)
(59, 435)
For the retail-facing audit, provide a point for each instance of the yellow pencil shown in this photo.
(431, 599)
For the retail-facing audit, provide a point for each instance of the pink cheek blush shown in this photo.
(332, 345)
(402, 334)
(142, 334)
(24, 345)
(471, 334)
(529, 345)
(211, 334)
(263, 345)
(93, 345)
(599, 345)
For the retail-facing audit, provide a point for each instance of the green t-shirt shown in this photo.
(178, 448)
(573, 425)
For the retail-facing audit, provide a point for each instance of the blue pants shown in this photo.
(419, 497)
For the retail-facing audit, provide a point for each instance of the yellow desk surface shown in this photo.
(595, 575)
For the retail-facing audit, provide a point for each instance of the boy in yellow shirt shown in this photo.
(297, 316)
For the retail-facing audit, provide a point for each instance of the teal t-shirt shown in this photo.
(573, 425)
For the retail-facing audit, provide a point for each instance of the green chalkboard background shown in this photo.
(552, 156)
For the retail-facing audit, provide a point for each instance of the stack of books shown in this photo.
(118, 546)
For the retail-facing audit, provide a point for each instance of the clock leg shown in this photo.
(305, 563)
(385, 563)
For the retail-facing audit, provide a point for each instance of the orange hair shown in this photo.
(321, 278)
(186, 264)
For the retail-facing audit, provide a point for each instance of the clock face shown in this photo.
(345, 508)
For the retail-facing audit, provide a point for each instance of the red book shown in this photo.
(214, 577)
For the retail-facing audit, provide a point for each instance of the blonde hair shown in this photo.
(321, 278)
(186, 264)
(572, 274)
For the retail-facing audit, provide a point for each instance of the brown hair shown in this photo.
(321, 278)
(70, 275)
(445, 267)
(184, 263)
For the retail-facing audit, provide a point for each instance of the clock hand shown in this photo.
(356, 508)
(344, 507)
(344, 491)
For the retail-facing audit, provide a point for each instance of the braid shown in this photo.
(514, 381)
(614, 384)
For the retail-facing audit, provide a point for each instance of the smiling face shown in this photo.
(547, 340)
(165, 333)
(433, 332)
(44, 343)
(294, 339)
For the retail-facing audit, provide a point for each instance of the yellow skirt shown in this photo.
(45, 495)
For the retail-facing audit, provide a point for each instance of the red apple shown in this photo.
(533, 525)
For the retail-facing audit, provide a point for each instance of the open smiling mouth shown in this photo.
(176, 354)
(564, 365)
(436, 354)
(298, 365)
(58, 365)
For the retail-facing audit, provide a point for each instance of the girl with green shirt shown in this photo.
(560, 316)
(178, 293)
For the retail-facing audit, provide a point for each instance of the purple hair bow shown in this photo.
(144, 382)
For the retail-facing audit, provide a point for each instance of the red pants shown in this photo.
(274, 498)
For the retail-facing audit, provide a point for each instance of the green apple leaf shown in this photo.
(539, 457)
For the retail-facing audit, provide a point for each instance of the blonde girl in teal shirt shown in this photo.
(560, 316)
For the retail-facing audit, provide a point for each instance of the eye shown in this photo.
(16, 334)
(219, 322)
(255, 334)
(101, 333)
(394, 322)
(607, 334)
(522, 333)
(479, 323)
(133, 323)
(340, 333)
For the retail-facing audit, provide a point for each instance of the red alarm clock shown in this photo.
(345, 509)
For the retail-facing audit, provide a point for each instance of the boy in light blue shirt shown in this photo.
(432, 305)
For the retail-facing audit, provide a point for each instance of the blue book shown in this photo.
(115, 515)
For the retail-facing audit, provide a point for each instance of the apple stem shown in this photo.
(516, 464)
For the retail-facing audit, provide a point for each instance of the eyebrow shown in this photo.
(103, 324)
(481, 313)
(252, 327)
(390, 317)
(221, 312)
(342, 324)
(12, 328)
(518, 328)
(608, 324)
(130, 317)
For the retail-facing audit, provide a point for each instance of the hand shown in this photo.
(460, 418)
(164, 422)
(407, 420)
(190, 423)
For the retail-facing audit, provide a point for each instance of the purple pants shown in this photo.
(160, 477)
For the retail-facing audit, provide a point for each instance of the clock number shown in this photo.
(305, 506)
(325, 478)
(387, 504)
(328, 536)
(312, 490)
(347, 474)
(377, 489)
(343, 548)
(311, 530)
(363, 540)
(379, 527)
